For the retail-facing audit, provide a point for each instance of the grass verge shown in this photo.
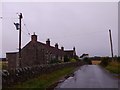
(3, 64)
(45, 80)
(113, 67)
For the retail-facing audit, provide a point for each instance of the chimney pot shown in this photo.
(48, 42)
(34, 38)
(56, 45)
(62, 48)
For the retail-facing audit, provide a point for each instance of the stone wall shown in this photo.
(14, 76)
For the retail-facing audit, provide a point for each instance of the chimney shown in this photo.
(74, 48)
(74, 54)
(48, 42)
(62, 48)
(56, 45)
(34, 38)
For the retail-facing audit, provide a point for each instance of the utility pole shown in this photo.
(20, 17)
(111, 43)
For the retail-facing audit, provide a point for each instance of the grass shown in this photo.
(0, 64)
(45, 80)
(3, 64)
(114, 67)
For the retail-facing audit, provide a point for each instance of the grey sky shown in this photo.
(84, 25)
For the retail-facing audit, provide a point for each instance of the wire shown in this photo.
(25, 33)
(26, 27)
(8, 18)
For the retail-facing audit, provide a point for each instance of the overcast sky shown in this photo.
(84, 25)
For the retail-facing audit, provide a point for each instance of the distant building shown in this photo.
(37, 53)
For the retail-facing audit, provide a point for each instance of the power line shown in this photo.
(8, 18)
(25, 33)
(26, 27)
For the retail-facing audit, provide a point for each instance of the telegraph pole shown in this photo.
(20, 17)
(111, 43)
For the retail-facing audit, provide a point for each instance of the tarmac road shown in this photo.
(90, 76)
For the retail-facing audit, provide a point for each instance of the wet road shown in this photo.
(90, 76)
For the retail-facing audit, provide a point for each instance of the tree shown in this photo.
(87, 60)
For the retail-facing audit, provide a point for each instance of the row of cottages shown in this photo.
(37, 53)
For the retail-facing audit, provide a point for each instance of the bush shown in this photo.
(105, 61)
(87, 60)
(76, 58)
(118, 59)
(72, 60)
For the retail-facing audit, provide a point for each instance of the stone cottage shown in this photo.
(70, 53)
(37, 53)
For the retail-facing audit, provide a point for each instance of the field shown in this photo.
(96, 62)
